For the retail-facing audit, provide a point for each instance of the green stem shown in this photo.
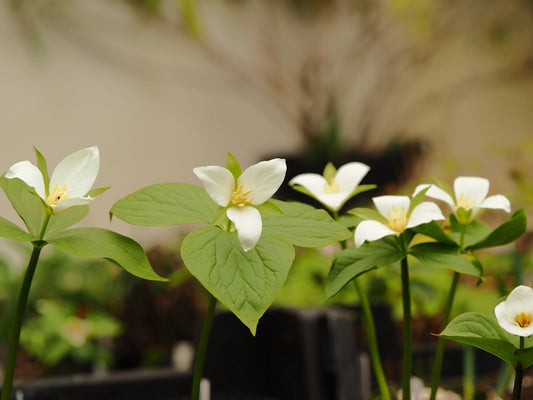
(407, 332)
(439, 352)
(469, 372)
(202, 347)
(519, 375)
(14, 333)
(372, 342)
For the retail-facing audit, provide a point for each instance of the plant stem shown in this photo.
(14, 333)
(469, 372)
(202, 347)
(407, 332)
(519, 375)
(439, 352)
(372, 342)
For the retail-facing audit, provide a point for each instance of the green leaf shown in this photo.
(439, 255)
(98, 191)
(9, 230)
(368, 213)
(353, 262)
(416, 200)
(26, 203)
(362, 188)
(473, 231)
(507, 232)
(304, 225)
(478, 330)
(166, 204)
(98, 242)
(66, 218)
(41, 164)
(269, 207)
(525, 356)
(245, 282)
(434, 230)
(329, 173)
(232, 164)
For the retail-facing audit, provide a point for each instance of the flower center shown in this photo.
(331, 187)
(239, 197)
(57, 194)
(397, 219)
(523, 320)
(465, 202)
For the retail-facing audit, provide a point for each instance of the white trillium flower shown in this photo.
(253, 187)
(395, 210)
(470, 193)
(515, 313)
(70, 182)
(333, 194)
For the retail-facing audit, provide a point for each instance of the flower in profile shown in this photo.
(70, 182)
(515, 313)
(335, 187)
(469, 197)
(397, 217)
(253, 187)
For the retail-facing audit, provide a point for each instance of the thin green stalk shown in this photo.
(202, 348)
(469, 372)
(519, 375)
(407, 332)
(14, 334)
(439, 352)
(372, 342)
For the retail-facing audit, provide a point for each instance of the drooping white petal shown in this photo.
(498, 202)
(312, 182)
(437, 193)
(386, 204)
(474, 188)
(423, 213)
(350, 175)
(248, 223)
(218, 182)
(519, 301)
(263, 179)
(78, 171)
(369, 231)
(30, 174)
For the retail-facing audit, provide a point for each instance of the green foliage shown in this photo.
(41, 164)
(233, 166)
(506, 233)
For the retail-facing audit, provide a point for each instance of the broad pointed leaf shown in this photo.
(233, 165)
(9, 230)
(41, 164)
(507, 232)
(440, 255)
(434, 230)
(65, 219)
(166, 204)
(98, 242)
(473, 232)
(245, 282)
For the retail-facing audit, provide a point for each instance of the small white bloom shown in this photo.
(333, 194)
(70, 182)
(515, 313)
(395, 210)
(253, 187)
(470, 193)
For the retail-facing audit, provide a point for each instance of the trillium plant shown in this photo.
(48, 207)
(402, 228)
(506, 333)
(244, 248)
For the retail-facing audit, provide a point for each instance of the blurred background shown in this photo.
(415, 88)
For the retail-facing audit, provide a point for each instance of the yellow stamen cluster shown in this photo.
(397, 219)
(57, 194)
(331, 187)
(523, 319)
(465, 202)
(239, 197)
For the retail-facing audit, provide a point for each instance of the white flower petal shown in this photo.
(471, 186)
(30, 174)
(333, 201)
(520, 300)
(437, 193)
(248, 223)
(369, 231)
(263, 179)
(385, 204)
(498, 202)
(423, 213)
(218, 182)
(78, 171)
(350, 175)
(312, 182)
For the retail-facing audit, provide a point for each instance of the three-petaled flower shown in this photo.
(70, 182)
(333, 191)
(239, 194)
(397, 217)
(515, 313)
(469, 197)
